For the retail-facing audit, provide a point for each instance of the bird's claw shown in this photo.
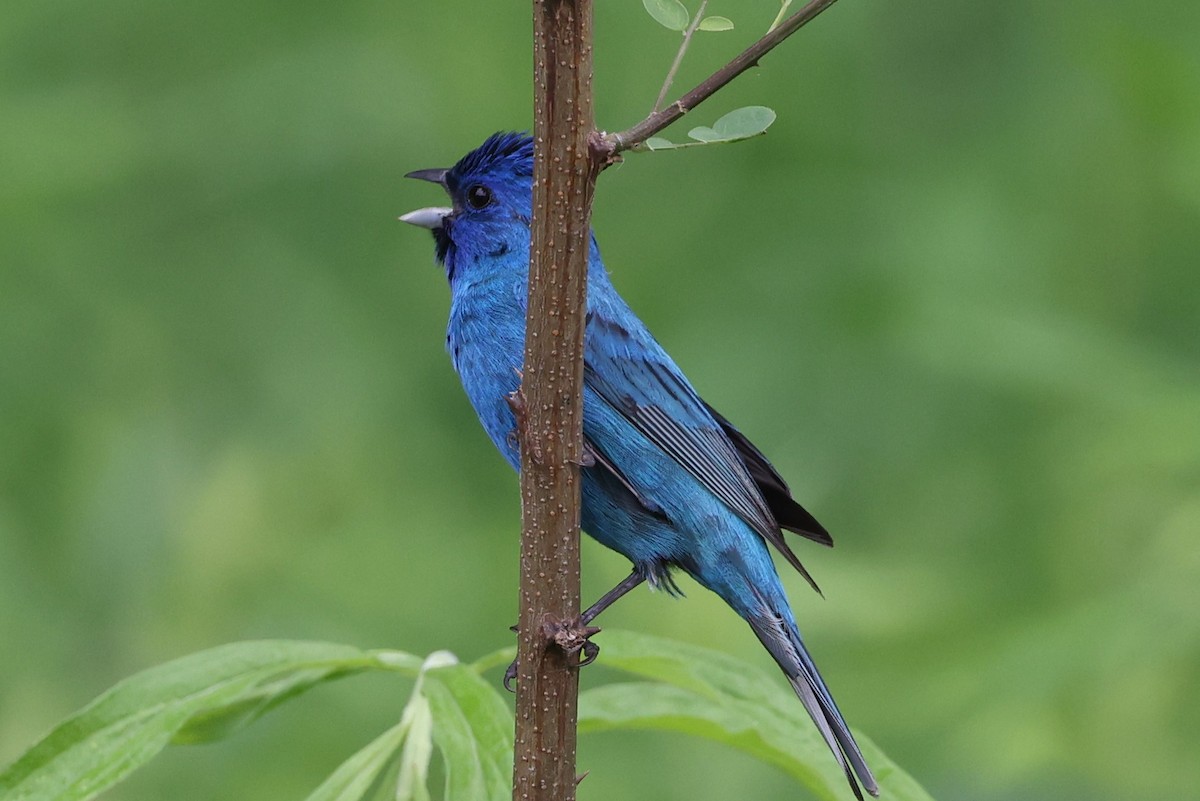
(572, 638)
(575, 637)
(590, 652)
(510, 672)
(510, 675)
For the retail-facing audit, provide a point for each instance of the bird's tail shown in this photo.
(776, 628)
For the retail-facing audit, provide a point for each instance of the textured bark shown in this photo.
(568, 156)
(551, 404)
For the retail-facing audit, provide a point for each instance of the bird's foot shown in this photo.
(572, 637)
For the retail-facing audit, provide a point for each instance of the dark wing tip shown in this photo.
(796, 518)
(783, 507)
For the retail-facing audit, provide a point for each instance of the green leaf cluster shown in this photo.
(673, 15)
(741, 123)
(451, 709)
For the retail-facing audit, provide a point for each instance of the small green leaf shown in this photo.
(473, 730)
(668, 13)
(356, 775)
(703, 133)
(659, 143)
(716, 24)
(742, 123)
(199, 697)
(738, 124)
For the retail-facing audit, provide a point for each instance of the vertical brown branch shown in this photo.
(568, 156)
(551, 449)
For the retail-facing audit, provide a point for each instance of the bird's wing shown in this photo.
(631, 372)
(594, 456)
(774, 489)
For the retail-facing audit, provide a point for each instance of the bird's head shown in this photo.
(490, 191)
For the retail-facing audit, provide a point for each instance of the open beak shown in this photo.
(432, 216)
(435, 176)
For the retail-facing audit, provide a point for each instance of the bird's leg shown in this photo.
(575, 636)
(632, 580)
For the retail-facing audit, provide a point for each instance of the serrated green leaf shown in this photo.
(712, 695)
(668, 13)
(716, 24)
(220, 690)
(358, 774)
(742, 123)
(473, 731)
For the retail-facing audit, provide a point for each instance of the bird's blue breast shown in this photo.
(486, 340)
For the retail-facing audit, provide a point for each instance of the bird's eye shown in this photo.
(479, 196)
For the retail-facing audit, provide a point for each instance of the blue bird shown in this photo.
(669, 483)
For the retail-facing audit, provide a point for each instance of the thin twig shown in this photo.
(683, 46)
(607, 146)
(783, 7)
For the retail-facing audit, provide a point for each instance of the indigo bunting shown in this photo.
(668, 482)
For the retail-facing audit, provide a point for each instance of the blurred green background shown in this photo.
(953, 294)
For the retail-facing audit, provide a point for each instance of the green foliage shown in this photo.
(700, 692)
(201, 697)
(669, 13)
(474, 734)
(355, 777)
(673, 15)
(952, 296)
(741, 123)
(215, 693)
(715, 23)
